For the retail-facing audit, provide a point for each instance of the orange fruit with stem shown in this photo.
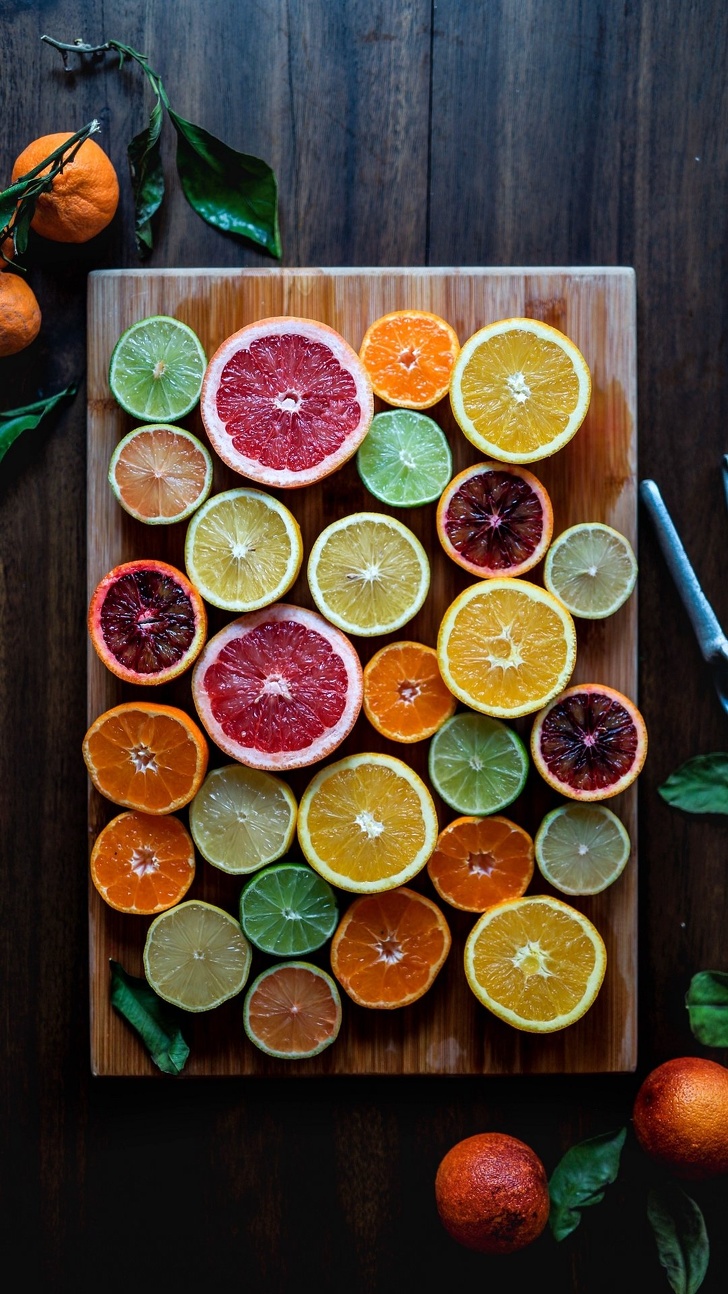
(405, 698)
(681, 1116)
(20, 315)
(481, 861)
(143, 864)
(389, 948)
(145, 756)
(409, 356)
(84, 196)
(492, 1193)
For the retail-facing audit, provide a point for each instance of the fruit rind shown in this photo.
(492, 1193)
(288, 1055)
(680, 1117)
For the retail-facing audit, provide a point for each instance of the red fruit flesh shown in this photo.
(495, 520)
(589, 741)
(147, 621)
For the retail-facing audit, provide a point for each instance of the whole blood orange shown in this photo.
(84, 197)
(492, 1193)
(681, 1116)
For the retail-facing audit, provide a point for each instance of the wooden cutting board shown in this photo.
(593, 479)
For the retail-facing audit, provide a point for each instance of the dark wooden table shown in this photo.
(403, 133)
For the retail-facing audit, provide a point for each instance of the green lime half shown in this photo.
(288, 910)
(477, 764)
(405, 459)
(581, 848)
(157, 368)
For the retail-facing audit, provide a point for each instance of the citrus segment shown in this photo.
(147, 757)
(590, 743)
(404, 696)
(143, 864)
(156, 369)
(520, 390)
(160, 474)
(581, 848)
(481, 861)
(477, 764)
(242, 818)
(147, 622)
(292, 1011)
(196, 956)
(288, 910)
(592, 569)
(389, 948)
(368, 574)
(405, 459)
(409, 356)
(286, 401)
(535, 962)
(243, 550)
(506, 647)
(367, 823)
(278, 688)
(495, 520)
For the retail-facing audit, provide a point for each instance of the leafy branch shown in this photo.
(17, 204)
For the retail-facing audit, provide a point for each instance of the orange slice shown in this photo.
(160, 473)
(481, 861)
(404, 696)
(590, 743)
(409, 356)
(147, 757)
(389, 948)
(143, 864)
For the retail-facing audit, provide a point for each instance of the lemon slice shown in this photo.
(368, 574)
(592, 569)
(242, 818)
(581, 848)
(196, 956)
(243, 550)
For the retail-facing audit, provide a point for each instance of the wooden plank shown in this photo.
(594, 478)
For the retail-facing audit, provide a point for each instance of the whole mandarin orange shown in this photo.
(681, 1116)
(492, 1193)
(84, 196)
(19, 314)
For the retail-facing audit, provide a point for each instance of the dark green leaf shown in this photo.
(700, 785)
(154, 1020)
(15, 421)
(233, 191)
(682, 1240)
(147, 178)
(9, 200)
(707, 1004)
(21, 227)
(580, 1179)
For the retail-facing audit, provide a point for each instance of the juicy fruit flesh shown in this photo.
(582, 848)
(287, 402)
(241, 819)
(148, 621)
(370, 575)
(405, 458)
(288, 910)
(389, 948)
(477, 764)
(404, 695)
(158, 368)
(480, 861)
(495, 520)
(142, 863)
(369, 819)
(592, 570)
(196, 956)
(241, 550)
(145, 759)
(160, 473)
(292, 1010)
(588, 741)
(519, 390)
(410, 358)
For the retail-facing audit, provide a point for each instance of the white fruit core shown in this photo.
(369, 824)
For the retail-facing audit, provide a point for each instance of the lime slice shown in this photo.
(242, 818)
(157, 368)
(477, 764)
(243, 550)
(196, 956)
(592, 569)
(405, 459)
(288, 910)
(292, 1011)
(581, 848)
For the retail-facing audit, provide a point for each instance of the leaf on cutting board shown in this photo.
(147, 177)
(581, 1178)
(233, 191)
(15, 421)
(154, 1020)
(707, 1004)
(700, 785)
(682, 1240)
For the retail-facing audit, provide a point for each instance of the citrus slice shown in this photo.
(147, 757)
(243, 550)
(160, 474)
(367, 823)
(292, 1011)
(535, 962)
(592, 569)
(242, 818)
(477, 764)
(389, 948)
(196, 956)
(404, 696)
(143, 864)
(590, 743)
(146, 621)
(581, 848)
(368, 574)
(157, 368)
(409, 356)
(405, 459)
(278, 688)
(506, 647)
(481, 861)
(286, 401)
(495, 520)
(520, 390)
(288, 910)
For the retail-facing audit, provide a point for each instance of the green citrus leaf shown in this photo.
(232, 191)
(707, 1004)
(682, 1240)
(8, 201)
(580, 1179)
(15, 421)
(154, 1020)
(700, 785)
(147, 177)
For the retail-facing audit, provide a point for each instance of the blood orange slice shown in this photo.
(286, 401)
(494, 519)
(278, 688)
(590, 743)
(146, 621)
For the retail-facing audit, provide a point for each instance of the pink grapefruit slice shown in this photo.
(286, 401)
(146, 621)
(590, 743)
(494, 519)
(278, 688)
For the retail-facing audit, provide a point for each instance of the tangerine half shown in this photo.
(145, 756)
(143, 864)
(405, 698)
(389, 948)
(409, 356)
(481, 861)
